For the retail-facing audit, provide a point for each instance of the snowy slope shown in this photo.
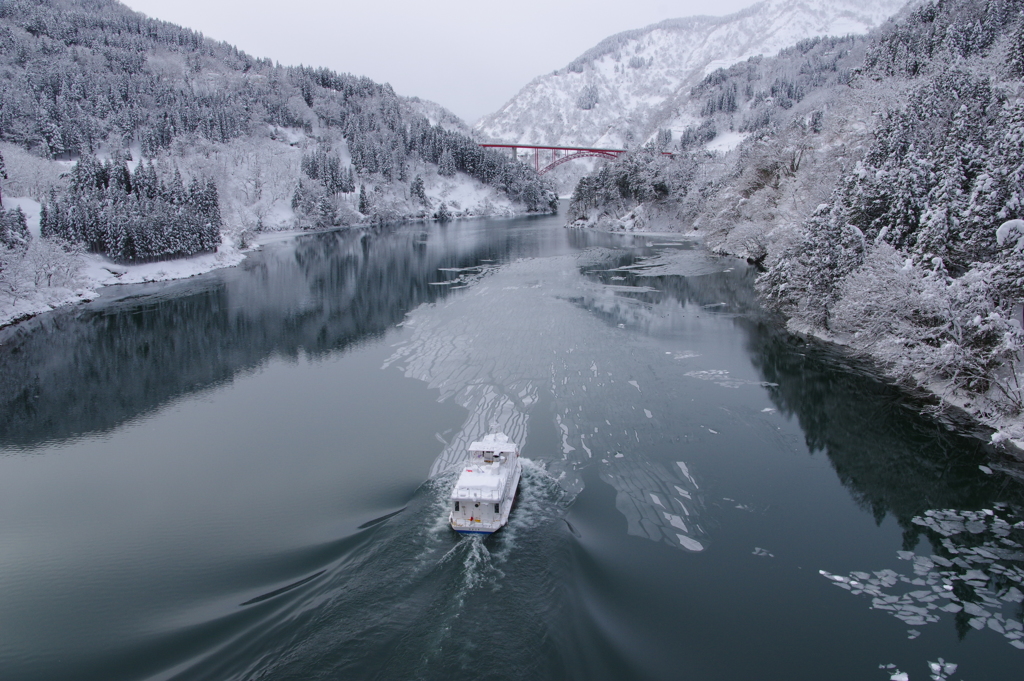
(642, 78)
(438, 115)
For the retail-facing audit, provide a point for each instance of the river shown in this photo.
(244, 476)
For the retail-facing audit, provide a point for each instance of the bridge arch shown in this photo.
(568, 154)
(579, 154)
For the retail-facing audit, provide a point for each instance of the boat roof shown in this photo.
(477, 479)
(494, 442)
(480, 483)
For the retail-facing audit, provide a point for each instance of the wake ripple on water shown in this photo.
(518, 337)
(408, 595)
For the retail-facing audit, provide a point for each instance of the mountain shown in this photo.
(273, 146)
(621, 91)
(878, 182)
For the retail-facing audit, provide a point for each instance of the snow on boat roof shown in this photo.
(495, 442)
(478, 479)
(479, 484)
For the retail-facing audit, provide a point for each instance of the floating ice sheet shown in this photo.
(980, 574)
(685, 263)
(722, 378)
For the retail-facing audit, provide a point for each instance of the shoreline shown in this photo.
(99, 272)
(1006, 434)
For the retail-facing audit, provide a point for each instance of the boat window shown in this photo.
(456, 506)
(477, 504)
(497, 509)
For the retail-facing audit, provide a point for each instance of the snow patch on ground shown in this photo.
(28, 206)
(42, 301)
(99, 271)
(726, 142)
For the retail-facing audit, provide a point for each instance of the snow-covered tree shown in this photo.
(587, 98)
(14, 229)
(3, 176)
(133, 218)
(1015, 55)
(443, 213)
(805, 281)
(418, 192)
(446, 164)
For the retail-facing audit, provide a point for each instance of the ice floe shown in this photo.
(940, 670)
(977, 574)
(689, 543)
(722, 378)
(680, 262)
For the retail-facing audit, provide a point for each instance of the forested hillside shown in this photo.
(880, 183)
(792, 118)
(80, 78)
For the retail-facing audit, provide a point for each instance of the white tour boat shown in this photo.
(483, 494)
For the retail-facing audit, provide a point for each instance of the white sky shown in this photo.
(471, 56)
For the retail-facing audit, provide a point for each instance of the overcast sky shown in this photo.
(469, 55)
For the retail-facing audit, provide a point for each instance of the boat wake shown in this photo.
(561, 378)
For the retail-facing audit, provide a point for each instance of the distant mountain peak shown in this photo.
(619, 91)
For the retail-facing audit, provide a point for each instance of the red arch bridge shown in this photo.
(560, 155)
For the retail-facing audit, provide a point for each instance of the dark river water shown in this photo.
(244, 476)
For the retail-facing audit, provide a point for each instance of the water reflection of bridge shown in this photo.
(560, 155)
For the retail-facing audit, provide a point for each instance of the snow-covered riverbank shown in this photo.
(985, 411)
(1000, 428)
(97, 271)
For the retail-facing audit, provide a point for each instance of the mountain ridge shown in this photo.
(621, 91)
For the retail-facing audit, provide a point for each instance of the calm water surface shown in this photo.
(244, 476)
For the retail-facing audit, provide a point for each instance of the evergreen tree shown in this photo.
(805, 281)
(1015, 58)
(324, 212)
(14, 229)
(133, 217)
(418, 192)
(3, 176)
(446, 164)
(364, 206)
(663, 140)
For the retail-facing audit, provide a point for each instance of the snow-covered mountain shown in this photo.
(621, 91)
